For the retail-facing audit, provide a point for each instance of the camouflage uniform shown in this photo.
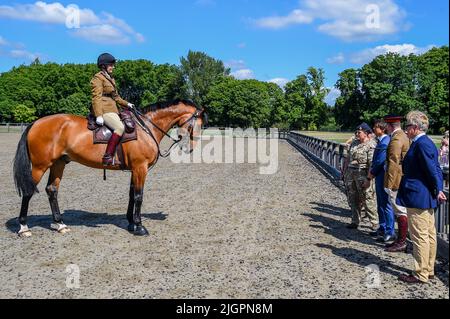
(360, 198)
(350, 144)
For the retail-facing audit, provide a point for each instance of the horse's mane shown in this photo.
(166, 104)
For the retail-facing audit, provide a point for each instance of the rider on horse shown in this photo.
(104, 103)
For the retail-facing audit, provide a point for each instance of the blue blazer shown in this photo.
(379, 157)
(422, 176)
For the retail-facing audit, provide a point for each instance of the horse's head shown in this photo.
(190, 127)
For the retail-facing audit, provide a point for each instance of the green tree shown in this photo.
(76, 103)
(296, 94)
(24, 114)
(241, 103)
(200, 73)
(389, 86)
(316, 111)
(433, 86)
(6, 110)
(348, 107)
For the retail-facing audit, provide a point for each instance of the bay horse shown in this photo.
(54, 141)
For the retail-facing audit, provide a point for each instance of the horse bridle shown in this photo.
(197, 114)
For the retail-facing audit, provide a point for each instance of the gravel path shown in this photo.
(217, 231)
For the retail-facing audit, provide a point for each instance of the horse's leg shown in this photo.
(130, 210)
(54, 180)
(138, 181)
(24, 231)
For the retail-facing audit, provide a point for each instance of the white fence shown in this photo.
(12, 127)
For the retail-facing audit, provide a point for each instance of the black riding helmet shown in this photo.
(105, 59)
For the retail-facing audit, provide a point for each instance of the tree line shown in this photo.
(389, 84)
(396, 84)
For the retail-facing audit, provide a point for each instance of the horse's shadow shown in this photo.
(82, 218)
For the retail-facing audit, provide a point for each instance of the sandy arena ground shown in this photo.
(217, 231)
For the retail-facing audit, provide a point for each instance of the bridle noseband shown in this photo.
(191, 121)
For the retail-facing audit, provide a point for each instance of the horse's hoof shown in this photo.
(24, 232)
(60, 228)
(140, 231)
(64, 231)
(131, 228)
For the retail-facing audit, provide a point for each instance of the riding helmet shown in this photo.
(105, 59)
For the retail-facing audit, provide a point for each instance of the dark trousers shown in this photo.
(385, 210)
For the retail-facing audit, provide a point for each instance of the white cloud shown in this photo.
(281, 82)
(334, 93)
(47, 12)
(348, 20)
(91, 26)
(3, 41)
(337, 59)
(368, 55)
(278, 22)
(242, 45)
(235, 64)
(105, 34)
(18, 51)
(243, 74)
(23, 54)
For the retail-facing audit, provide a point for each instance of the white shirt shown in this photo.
(381, 137)
(418, 136)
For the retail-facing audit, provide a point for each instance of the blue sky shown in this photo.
(264, 39)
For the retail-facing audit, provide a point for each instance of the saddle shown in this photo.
(102, 134)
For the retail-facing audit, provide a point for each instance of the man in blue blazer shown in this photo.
(421, 190)
(386, 231)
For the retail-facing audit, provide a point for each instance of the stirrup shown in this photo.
(110, 161)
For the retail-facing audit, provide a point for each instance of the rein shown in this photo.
(147, 130)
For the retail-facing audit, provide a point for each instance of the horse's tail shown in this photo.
(23, 179)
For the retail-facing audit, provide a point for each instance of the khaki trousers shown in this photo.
(422, 230)
(112, 120)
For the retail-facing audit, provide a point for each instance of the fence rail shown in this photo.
(332, 156)
(13, 127)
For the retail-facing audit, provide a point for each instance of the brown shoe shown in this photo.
(410, 279)
(398, 247)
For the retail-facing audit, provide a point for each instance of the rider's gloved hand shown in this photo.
(100, 121)
(130, 106)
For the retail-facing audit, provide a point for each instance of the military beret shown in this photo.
(364, 127)
(393, 118)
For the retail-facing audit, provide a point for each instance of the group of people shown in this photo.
(391, 174)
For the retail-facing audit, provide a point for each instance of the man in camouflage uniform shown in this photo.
(350, 144)
(359, 188)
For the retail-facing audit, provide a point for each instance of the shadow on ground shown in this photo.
(82, 218)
